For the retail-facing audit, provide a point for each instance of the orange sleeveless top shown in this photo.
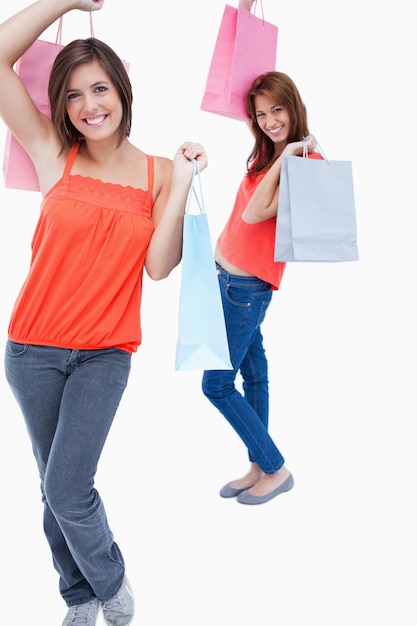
(84, 286)
(251, 246)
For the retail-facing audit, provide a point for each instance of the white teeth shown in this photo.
(95, 120)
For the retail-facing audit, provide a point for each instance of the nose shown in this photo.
(89, 103)
(270, 119)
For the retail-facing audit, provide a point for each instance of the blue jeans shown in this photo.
(69, 399)
(245, 302)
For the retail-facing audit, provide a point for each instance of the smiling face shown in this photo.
(93, 103)
(274, 120)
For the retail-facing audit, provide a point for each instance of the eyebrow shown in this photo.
(274, 106)
(98, 82)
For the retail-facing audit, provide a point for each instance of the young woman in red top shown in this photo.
(108, 211)
(248, 276)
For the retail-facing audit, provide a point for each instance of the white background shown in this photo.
(341, 547)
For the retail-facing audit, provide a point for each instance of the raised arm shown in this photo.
(165, 248)
(33, 129)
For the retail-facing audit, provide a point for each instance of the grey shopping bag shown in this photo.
(202, 340)
(316, 218)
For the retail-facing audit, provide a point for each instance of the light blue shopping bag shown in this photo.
(202, 339)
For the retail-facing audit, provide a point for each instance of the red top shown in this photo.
(251, 247)
(84, 286)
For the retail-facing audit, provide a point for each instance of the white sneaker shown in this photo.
(119, 610)
(84, 614)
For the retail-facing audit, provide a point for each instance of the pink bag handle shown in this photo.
(253, 7)
(58, 38)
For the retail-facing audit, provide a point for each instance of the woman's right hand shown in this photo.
(87, 5)
(296, 148)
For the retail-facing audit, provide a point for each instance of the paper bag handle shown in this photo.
(253, 6)
(316, 145)
(58, 38)
(193, 192)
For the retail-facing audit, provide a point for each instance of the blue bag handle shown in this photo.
(198, 196)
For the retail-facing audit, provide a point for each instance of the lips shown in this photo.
(93, 121)
(275, 131)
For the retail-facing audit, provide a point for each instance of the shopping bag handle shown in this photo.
(198, 196)
(58, 38)
(253, 7)
(316, 145)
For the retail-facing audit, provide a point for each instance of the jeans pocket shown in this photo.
(14, 349)
(238, 296)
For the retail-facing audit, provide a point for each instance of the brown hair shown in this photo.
(72, 55)
(284, 92)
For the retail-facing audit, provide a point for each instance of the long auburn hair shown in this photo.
(72, 55)
(282, 89)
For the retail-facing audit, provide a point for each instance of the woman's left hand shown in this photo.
(185, 155)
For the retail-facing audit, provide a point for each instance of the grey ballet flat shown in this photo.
(230, 492)
(244, 497)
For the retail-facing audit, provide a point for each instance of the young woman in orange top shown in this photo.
(108, 211)
(248, 276)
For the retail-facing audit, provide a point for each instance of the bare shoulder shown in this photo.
(163, 165)
(163, 172)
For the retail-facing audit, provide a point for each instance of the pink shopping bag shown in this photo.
(246, 47)
(34, 68)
